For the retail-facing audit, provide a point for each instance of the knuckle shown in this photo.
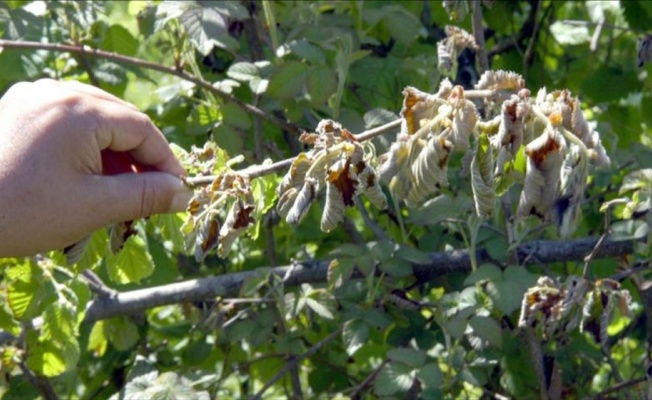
(148, 196)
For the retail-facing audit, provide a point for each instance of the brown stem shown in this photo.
(90, 52)
(478, 34)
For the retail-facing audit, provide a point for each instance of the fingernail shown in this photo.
(181, 198)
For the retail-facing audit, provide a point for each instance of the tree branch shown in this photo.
(88, 51)
(228, 285)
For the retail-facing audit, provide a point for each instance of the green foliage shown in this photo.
(398, 335)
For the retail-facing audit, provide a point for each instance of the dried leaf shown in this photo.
(368, 184)
(464, 119)
(572, 182)
(333, 209)
(303, 201)
(501, 80)
(417, 106)
(430, 169)
(482, 178)
(339, 176)
(207, 235)
(237, 221)
(118, 235)
(545, 157)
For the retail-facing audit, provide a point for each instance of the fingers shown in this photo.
(117, 124)
(133, 196)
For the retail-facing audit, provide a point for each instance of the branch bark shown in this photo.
(442, 263)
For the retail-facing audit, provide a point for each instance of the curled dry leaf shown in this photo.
(336, 161)
(573, 175)
(418, 106)
(482, 178)
(545, 156)
(501, 80)
(237, 221)
(464, 119)
(449, 48)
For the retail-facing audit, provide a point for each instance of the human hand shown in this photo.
(54, 139)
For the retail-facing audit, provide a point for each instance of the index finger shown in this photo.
(121, 128)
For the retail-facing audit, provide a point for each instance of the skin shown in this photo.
(69, 157)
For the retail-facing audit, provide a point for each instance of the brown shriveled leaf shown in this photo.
(118, 235)
(545, 156)
(237, 221)
(207, 236)
(417, 106)
(501, 80)
(340, 177)
(304, 199)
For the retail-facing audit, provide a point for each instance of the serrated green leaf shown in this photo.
(302, 49)
(207, 27)
(24, 299)
(287, 80)
(393, 378)
(397, 267)
(58, 323)
(485, 272)
(321, 309)
(339, 271)
(639, 179)
(243, 71)
(132, 263)
(169, 226)
(377, 117)
(96, 249)
(411, 357)
(413, 255)
(118, 39)
(348, 250)
(505, 296)
(377, 318)
(97, 340)
(431, 375)
(321, 85)
(487, 329)
(355, 334)
(52, 358)
(121, 333)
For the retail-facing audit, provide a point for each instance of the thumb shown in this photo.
(135, 195)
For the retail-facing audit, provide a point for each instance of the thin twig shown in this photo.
(119, 58)
(296, 361)
(588, 259)
(39, 382)
(370, 378)
(478, 34)
(620, 386)
(256, 171)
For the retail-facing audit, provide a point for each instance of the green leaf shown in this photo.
(431, 375)
(397, 267)
(487, 329)
(23, 299)
(355, 334)
(413, 255)
(321, 85)
(402, 25)
(615, 83)
(243, 71)
(52, 358)
(117, 39)
(485, 272)
(132, 263)
(287, 80)
(567, 34)
(302, 49)
(207, 27)
(97, 340)
(636, 14)
(639, 179)
(96, 249)
(393, 378)
(505, 296)
(408, 356)
(121, 332)
(169, 227)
